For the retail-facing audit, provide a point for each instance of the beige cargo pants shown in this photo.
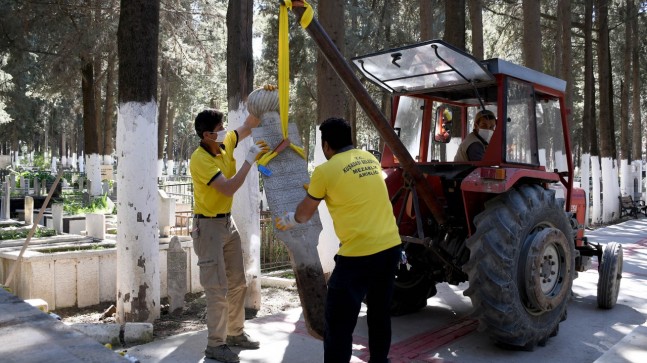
(222, 274)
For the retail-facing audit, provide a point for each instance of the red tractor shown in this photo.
(511, 223)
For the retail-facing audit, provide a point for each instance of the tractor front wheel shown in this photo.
(412, 286)
(521, 266)
(610, 270)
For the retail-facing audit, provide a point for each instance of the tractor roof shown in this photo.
(438, 66)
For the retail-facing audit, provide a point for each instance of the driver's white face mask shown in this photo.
(486, 134)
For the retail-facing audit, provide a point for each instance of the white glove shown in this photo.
(286, 221)
(255, 151)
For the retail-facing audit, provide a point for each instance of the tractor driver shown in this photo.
(473, 147)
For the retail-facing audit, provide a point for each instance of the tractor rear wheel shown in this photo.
(610, 270)
(521, 266)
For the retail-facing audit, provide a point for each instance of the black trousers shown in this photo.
(352, 279)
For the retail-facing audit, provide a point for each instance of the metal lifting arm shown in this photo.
(346, 74)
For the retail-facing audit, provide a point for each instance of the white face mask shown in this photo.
(486, 134)
(220, 135)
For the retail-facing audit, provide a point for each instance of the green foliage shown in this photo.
(92, 247)
(40, 88)
(38, 162)
(39, 175)
(22, 232)
(73, 205)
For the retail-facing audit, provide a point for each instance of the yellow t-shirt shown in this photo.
(351, 183)
(205, 167)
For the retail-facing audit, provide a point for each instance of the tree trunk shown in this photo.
(90, 127)
(161, 119)
(331, 94)
(567, 67)
(108, 110)
(626, 181)
(240, 60)
(455, 23)
(352, 119)
(607, 142)
(454, 35)
(589, 130)
(558, 41)
(96, 86)
(635, 99)
(589, 125)
(138, 280)
(240, 79)
(532, 57)
(170, 155)
(604, 79)
(427, 10)
(476, 20)
(624, 94)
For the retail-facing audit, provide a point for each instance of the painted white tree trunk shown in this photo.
(560, 161)
(626, 179)
(585, 184)
(108, 160)
(610, 190)
(328, 242)
(73, 162)
(93, 172)
(246, 213)
(54, 165)
(644, 182)
(170, 167)
(638, 166)
(81, 163)
(138, 278)
(160, 168)
(596, 211)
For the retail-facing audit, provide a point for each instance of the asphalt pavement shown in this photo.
(445, 332)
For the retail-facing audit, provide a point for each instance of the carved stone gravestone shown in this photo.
(176, 274)
(29, 210)
(284, 190)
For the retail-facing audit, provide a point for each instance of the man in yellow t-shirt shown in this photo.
(351, 183)
(215, 238)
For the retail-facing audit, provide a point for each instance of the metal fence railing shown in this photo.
(180, 188)
(274, 254)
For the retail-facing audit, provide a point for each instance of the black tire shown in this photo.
(521, 267)
(610, 270)
(412, 286)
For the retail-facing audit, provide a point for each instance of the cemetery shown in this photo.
(71, 258)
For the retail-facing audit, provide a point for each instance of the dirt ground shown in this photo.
(190, 318)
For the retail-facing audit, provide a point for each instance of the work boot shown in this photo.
(221, 353)
(243, 341)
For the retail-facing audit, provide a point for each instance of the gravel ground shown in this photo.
(191, 318)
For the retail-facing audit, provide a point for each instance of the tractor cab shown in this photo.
(437, 91)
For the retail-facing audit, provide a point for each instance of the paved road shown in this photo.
(584, 337)
(444, 331)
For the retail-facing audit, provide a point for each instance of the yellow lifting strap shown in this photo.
(284, 78)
